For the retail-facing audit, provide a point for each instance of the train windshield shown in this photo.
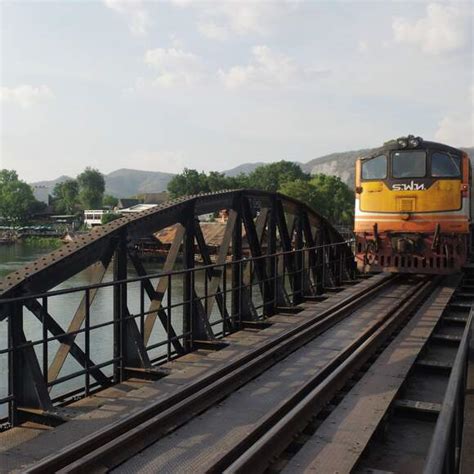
(375, 168)
(444, 165)
(409, 164)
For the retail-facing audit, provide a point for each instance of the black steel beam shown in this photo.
(56, 330)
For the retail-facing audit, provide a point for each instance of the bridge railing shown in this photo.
(444, 455)
(118, 338)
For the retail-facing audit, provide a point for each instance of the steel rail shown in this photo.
(133, 433)
(276, 431)
(437, 454)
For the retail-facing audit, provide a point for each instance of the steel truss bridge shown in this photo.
(303, 254)
(279, 305)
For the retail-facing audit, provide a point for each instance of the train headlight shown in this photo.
(402, 142)
(414, 142)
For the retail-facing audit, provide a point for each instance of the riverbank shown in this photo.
(36, 241)
(20, 253)
(11, 237)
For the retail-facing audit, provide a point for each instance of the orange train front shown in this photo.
(413, 208)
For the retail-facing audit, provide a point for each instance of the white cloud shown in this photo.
(218, 20)
(175, 67)
(25, 95)
(213, 31)
(245, 17)
(445, 28)
(458, 129)
(267, 69)
(137, 16)
(363, 47)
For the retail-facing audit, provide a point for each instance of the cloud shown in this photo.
(219, 20)
(458, 129)
(445, 28)
(268, 69)
(137, 16)
(25, 95)
(213, 31)
(175, 67)
(362, 47)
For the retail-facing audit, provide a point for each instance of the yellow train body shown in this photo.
(419, 223)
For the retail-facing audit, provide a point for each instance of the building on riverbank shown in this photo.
(93, 217)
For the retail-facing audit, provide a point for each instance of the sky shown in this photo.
(163, 85)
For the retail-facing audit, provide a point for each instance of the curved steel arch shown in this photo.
(292, 257)
(98, 245)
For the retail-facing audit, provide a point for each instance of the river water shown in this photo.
(63, 307)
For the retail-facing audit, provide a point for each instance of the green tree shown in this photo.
(241, 181)
(188, 182)
(328, 195)
(272, 176)
(66, 195)
(17, 202)
(339, 198)
(193, 182)
(217, 181)
(91, 188)
(109, 200)
(304, 191)
(109, 217)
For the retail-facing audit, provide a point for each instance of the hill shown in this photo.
(51, 183)
(243, 168)
(124, 182)
(337, 164)
(127, 182)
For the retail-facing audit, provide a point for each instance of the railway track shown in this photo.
(133, 433)
(383, 419)
(141, 441)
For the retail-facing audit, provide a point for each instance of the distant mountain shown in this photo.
(50, 184)
(243, 168)
(337, 164)
(124, 182)
(127, 182)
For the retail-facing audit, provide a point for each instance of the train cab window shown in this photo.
(444, 165)
(409, 164)
(375, 168)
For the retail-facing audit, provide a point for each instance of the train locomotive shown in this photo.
(413, 208)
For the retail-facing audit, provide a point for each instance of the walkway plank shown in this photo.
(342, 437)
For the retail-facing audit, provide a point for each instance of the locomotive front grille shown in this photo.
(406, 204)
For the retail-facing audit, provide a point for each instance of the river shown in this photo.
(62, 308)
